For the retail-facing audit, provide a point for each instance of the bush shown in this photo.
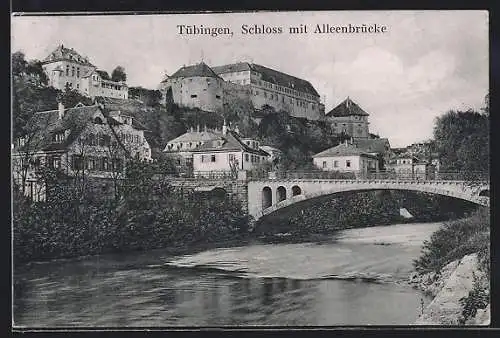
(454, 240)
(478, 298)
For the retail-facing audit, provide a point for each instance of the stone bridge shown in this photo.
(268, 196)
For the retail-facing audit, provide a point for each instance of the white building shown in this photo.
(227, 154)
(409, 166)
(67, 68)
(346, 157)
(181, 147)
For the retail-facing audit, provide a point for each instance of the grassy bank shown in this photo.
(452, 242)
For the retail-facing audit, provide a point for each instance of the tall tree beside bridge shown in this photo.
(462, 142)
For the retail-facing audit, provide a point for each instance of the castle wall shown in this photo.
(204, 93)
(355, 126)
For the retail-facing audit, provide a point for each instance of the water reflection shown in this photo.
(141, 291)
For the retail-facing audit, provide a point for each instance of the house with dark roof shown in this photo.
(346, 157)
(349, 118)
(195, 86)
(66, 67)
(227, 154)
(89, 141)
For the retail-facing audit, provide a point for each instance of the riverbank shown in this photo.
(454, 270)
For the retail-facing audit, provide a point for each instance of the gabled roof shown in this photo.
(343, 150)
(196, 136)
(270, 75)
(233, 67)
(372, 145)
(200, 69)
(228, 142)
(270, 149)
(346, 108)
(45, 124)
(75, 120)
(69, 54)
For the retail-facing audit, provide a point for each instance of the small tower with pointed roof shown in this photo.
(349, 118)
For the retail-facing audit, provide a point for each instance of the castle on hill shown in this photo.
(67, 68)
(204, 87)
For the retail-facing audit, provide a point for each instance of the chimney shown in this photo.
(237, 130)
(198, 128)
(352, 140)
(60, 109)
(224, 128)
(205, 128)
(191, 129)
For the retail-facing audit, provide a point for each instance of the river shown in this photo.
(356, 278)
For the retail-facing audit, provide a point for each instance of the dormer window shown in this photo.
(98, 120)
(58, 137)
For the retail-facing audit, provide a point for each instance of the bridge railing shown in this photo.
(384, 175)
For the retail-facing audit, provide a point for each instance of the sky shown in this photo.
(424, 64)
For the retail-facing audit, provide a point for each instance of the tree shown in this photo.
(462, 141)
(71, 97)
(119, 74)
(18, 64)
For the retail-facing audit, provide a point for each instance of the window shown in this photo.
(202, 158)
(335, 164)
(212, 158)
(217, 96)
(324, 164)
(67, 70)
(193, 96)
(246, 157)
(77, 86)
(72, 71)
(76, 162)
(78, 72)
(348, 163)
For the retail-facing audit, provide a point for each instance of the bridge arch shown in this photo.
(296, 190)
(267, 197)
(280, 194)
(485, 193)
(311, 189)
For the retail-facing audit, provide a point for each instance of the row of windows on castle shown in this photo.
(72, 71)
(278, 88)
(270, 86)
(232, 158)
(103, 85)
(292, 101)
